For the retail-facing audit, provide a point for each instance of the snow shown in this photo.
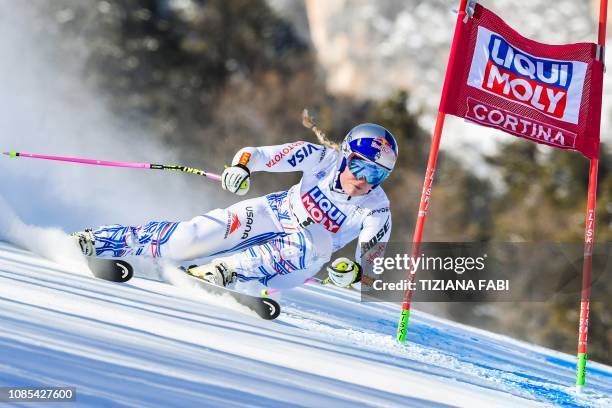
(148, 343)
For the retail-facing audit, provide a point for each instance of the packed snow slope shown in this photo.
(149, 343)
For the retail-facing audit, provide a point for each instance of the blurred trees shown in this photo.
(211, 71)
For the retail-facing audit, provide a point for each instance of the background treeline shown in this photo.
(210, 76)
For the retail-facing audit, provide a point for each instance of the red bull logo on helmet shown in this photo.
(382, 144)
(552, 87)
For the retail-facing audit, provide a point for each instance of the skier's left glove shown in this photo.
(343, 272)
(235, 179)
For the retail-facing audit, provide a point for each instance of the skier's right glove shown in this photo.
(235, 179)
(343, 272)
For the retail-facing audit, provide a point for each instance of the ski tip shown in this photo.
(11, 154)
(270, 310)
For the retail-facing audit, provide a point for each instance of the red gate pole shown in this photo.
(587, 266)
(589, 235)
(402, 327)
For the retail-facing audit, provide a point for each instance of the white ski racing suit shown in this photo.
(279, 239)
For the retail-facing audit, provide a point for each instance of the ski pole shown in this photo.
(266, 292)
(132, 165)
(118, 164)
(326, 281)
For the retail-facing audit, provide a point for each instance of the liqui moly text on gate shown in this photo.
(322, 210)
(552, 87)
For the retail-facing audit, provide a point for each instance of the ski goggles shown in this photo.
(372, 172)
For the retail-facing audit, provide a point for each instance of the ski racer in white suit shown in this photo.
(282, 238)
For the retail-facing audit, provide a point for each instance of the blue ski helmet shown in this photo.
(375, 149)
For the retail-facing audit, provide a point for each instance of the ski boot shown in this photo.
(86, 241)
(216, 273)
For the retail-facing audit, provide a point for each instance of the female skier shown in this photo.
(282, 238)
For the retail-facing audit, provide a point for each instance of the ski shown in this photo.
(113, 270)
(266, 308)
(116, 270)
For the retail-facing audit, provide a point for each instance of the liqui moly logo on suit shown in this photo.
(552, 87)
(322, 210)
